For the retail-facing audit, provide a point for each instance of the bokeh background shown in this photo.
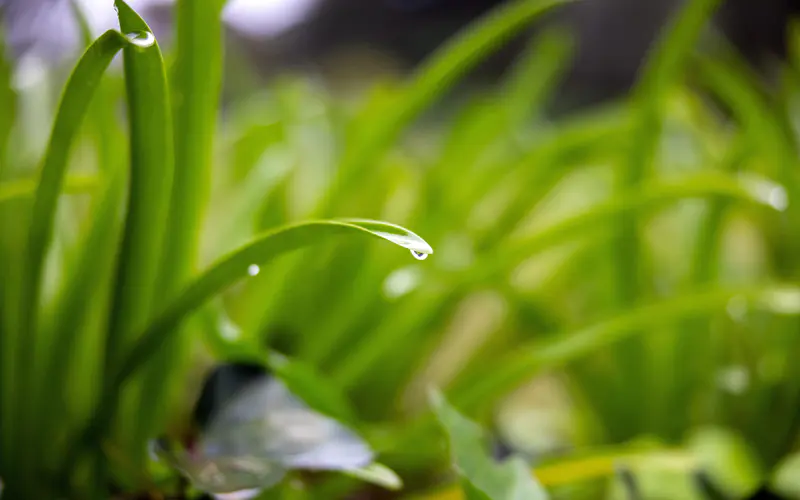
(616, 228)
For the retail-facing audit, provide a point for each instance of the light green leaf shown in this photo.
(483, 478)
(378, 474)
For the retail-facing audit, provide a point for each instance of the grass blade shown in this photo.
(196, 78)
(219, 277)
(74, 103)
(662, 69)
(371, 138)
(25, 188)
(149, 184)
(534, 357)
(150, 180)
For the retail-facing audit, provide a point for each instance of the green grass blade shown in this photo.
(196, 81)
(8, 103)
(151, 165)
(651, 196)
(535, 76)
(25, 188)
(660, 73)
(365, 356)
(77, 301)
(535, 357)
(433, 78)
(150, 181)
(74, 103)
(662, 69)
(219, 277)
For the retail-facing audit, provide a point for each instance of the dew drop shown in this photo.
(734, 379)
(401, 282)
(142, 39)
(153, 447)
(253, 270)
(777, 198)
(419, 255)
(229, 331)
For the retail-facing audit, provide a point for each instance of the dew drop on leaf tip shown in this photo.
(419, 255)
(142, 39)
(253, 269)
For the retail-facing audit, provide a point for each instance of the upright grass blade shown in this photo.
(151, 165)
(81, 297)
(196, 79)
(8, 103)
(150, 181)
(663, 68)
(372, 136)
(74, 103)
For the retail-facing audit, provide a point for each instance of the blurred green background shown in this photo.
(616, 285)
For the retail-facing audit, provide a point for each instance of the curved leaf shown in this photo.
(73, 105)
(750, 189)
(220, 276)
(238, 265)
(23, 188)
(533, 357)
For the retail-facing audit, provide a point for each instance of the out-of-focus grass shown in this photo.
(639, 259)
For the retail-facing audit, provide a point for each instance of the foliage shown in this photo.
(638, 257)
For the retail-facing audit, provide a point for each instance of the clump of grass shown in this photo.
(644, 250)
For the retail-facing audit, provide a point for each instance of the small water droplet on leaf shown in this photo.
(419, 255)
(142, 39)
(253, 270)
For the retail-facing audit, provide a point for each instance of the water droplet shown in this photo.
(733, 379)
(239, 495)
(401, 282)
(142, 39)
(766, 191)
(396, 234)
(253, 270)
(229, 331)
(777, 198)
(782, 301)
(152, 449)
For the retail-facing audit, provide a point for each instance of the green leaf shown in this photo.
(24, 188)
(196, 82)
(8, 102)
(662, 69)
(437, 74)
(74, 102)
(482, 477)
(377, 474)
(219, 277)
(151, 166)
(531, 358)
